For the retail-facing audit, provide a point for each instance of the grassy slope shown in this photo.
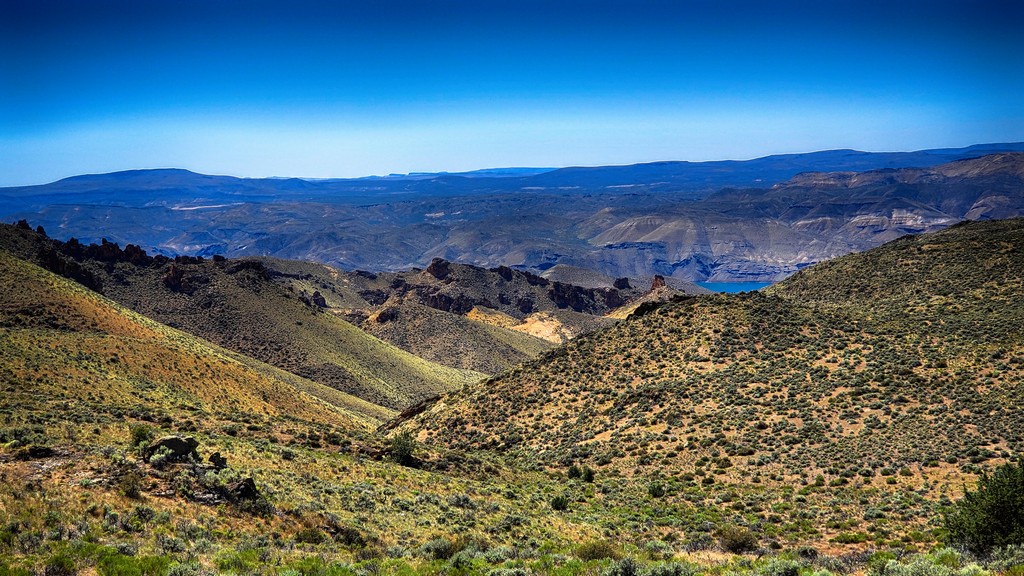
(260, 318)
(238, 305)
(451, 339)
(64, 504)
(65, 345)
(761, 393)
(77, 369)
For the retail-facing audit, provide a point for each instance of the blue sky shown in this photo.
(321, 89)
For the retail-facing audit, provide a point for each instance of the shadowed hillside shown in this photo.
(509, 300)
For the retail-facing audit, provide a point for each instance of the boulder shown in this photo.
(318, 299)
(35, 452)
(180, 447)
(244, 489)
(439, 268)
(219, 462)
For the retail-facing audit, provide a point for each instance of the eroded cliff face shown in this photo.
(769, 234)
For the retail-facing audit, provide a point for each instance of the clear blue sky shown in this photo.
(322, 89)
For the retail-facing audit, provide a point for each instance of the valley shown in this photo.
(532, 288)
(453, 418)
(757, 220)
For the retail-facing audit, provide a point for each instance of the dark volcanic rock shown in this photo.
(175, 280)
(318, 299)
(219, 462)
(584, 299)
(180, 447)
(244, 490)
(438, 268)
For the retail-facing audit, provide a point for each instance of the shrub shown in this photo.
(587, 475)
(140, 434)
(560, 502)
(130, 483)
(403, 447)
(851, 538)
(737, 539)
(658, 550)
(60, 565)
(310, 536)
(597, 550)
(919, 567)
(1003, 559)
(188, 569)
(500, 554)
(697, 542)
(781, 567)
(993, 515)
(161, 458)
(655, 490)
(625, 567)
(438, 549)
(461, 562)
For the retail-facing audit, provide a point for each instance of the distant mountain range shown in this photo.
(758, 219)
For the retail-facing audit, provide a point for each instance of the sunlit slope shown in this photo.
(967, 279)
(240, 309)
(453, 340)
(73, 355)
(783, 387)
(244, 306)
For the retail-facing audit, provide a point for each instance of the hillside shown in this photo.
(863, 379)
(70, 352)
(87, 385)
(392, 339)
(815, 429)
(451, 339)
(238, 305)
(494, 306)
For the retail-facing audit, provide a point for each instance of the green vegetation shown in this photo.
(796, 433)
(244, 306)
(812, 415)
(403, 448)
(992, 516)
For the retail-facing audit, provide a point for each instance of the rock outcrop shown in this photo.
(177, 447)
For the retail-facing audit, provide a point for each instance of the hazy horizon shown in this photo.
(486, 168)
(328, 90)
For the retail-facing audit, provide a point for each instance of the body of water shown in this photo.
(733, 287)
